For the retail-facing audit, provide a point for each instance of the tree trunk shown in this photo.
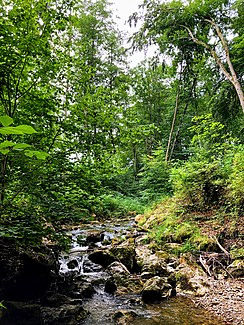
(231, 76)
(173, 124)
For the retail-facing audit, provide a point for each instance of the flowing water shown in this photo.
(106, 309)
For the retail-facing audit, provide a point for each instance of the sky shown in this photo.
(123, 9)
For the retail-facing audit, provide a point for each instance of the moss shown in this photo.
(202, 242)
(237, 253)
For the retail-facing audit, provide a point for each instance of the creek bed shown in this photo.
(106, 309)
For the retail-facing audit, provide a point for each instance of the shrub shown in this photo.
(201, 183)
(203, 179)
(154, 178)
(236, 181)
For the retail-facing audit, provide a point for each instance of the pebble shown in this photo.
(225, 299)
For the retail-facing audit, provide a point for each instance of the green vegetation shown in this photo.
(84, 136)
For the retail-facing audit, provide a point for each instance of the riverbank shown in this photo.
(225, 299)
(215, 241)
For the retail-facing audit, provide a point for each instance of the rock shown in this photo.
(110, 286)
(140, 218)
(78, 289)
(191, 279)
(101, 257)
(54, 299)
(236, 269)
(72, 264)
(123, 317)
(149, 263)
(63, 315)
(125, 253)
(21, 313)
(89, 266)
(150, 221)
(156, 289)
(124, 281)
(141, 240)
(119, 269)
(173, 247)
(93, 237)
(25, 275)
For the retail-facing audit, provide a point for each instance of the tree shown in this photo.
(193, 29)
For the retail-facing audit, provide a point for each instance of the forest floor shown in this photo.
(226, 296)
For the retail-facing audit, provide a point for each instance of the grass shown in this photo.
(119, 206)
(168, 223)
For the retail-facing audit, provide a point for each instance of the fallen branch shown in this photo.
(221, 247)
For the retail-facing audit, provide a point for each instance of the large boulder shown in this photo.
(236, 269)
(151, 264)
(102, 257)
(190, 277)
(156, 289)
(68, 314)
(124, 281)
(25, 275)
(125, 253)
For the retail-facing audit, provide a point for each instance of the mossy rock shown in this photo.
(236, 269)
(237, 253)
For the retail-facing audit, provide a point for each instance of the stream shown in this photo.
(106, 308)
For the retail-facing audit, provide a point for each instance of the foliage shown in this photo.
(236, 180)
(97, 131)
(170, 226)
(237, 253)
(203, 179)
(113, 205)
(7, 130)
(201, 183)
(154, 178)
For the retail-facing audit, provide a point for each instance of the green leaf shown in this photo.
(38, 154)
(4, 151)
(29, 153)
(41, 155)
(21, 146)
(6, 144)
(10, 130)
(6, 120)
(27, 129)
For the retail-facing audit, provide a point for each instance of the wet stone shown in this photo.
(89, 266)
(110, 286)
(72, 264)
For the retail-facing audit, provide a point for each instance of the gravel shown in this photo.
(225, 299)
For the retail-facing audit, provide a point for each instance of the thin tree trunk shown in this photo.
(173, 124)
(231, 76)
(134, 161)
(177, 132)
(182, 117)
